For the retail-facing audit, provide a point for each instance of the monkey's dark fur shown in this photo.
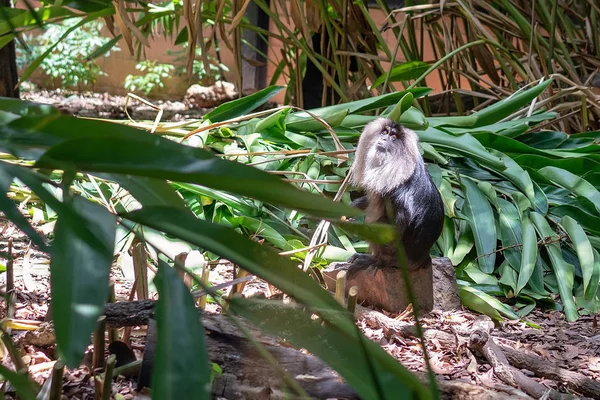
(389, 168)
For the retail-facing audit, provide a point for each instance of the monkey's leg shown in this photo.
(360, 258)
(359, 262)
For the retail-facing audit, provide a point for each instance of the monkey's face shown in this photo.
(389, 139)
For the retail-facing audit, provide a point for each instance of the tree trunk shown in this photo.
(8, 66)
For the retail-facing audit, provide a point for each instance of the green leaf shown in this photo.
(403, 105)
(570, 181)
(80, 267)
(483, 303)
(362, 363)
(510, 232)
(413, 118)
(465, 243)
(506, 107)
(142, 154)
(8, 207)
(36, 63)
(529, 253)
(590, 267)
(375, 232)
(508, 277)
(589, 222)
(403, 72)
(238, 107)
(371, 103)
(520, 178)
(26, 108)
(564, 271)
(464, 144)
(181, 369)
(148, 191)
(303, 122)
(479, 214)
(100, 51)
(261, 260)
(26, 389)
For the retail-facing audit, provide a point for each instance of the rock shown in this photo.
(384, 287)
(445, 289)
(198, 96)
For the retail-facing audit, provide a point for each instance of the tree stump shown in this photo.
(434, 288)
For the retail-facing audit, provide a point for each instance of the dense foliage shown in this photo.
(67, 60)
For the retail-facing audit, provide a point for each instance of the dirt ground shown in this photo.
(573, 346)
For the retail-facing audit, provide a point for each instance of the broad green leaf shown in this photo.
(508, 277)
(529, 253)
(261, 260)
(464, 144)
(26, 108)
(506, 107)
(244, 206)
(25, 387)
(8, 207)
(446, 239)
(403, 72)
(544, 140)
(564, 271)
(264, 230)
(238, 107)
(362, 363)
(465, 243)
(570, 181)
(483, 303)
(148, 191)
(80, 267)
(510, 232)
(371, 103)
(303, 122)
(448, 198)
(578, 166)
(413, 118)
(181, 366)
(521, 180)
(589, 222)
(21, 18)
(403, 105)
(523, 311)
(590, 267)
(462, 121)
(479, 214)
(142, 154)
(475, 274)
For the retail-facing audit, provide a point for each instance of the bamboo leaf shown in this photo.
(181, 366)
(238, 107)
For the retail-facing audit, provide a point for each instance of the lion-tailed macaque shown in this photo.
(389, 168)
